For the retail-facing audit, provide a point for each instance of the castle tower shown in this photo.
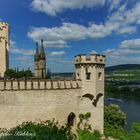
(40, 62)
(90, 70)
(4, 47)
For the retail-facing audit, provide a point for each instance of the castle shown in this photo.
(40, 62)
(4, 47)
(40, 99)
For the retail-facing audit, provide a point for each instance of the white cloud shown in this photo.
(131, 44)
(121, 21)
(60, 53)
(52, 7)
(58, 37)
(15, 50)
(125, 19)
(93, 52)
(114, 4)
(24, 58)
(128, 52)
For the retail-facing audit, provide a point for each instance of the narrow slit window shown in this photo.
(99, 76)
(88, 75)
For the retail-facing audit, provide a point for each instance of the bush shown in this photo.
(39, 131)
(84, 128)
(114, 117)
(87, 135)
(115, 121)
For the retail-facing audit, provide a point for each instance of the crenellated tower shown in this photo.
(4, 47)
(90, 70)
(40, 62)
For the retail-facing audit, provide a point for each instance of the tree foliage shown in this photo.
(84, 121)
(10, 73)
(115, 121)
(84, 128)
(111, 89)
(114, 117)
(49, 130)
(122, 134)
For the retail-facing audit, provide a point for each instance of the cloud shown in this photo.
(15, 50)
(24, 58)
(114, 4)
(125, 20)
(93, 52)
(60, 53)
(128, 52)
(52, 7)
(58, 37)
(131, 44)
(121, 21)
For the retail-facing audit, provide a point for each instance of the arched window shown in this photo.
(71, 119)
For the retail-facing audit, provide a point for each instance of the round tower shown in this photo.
(90, 70)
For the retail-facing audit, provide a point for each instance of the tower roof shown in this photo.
(42, 52)
(36, 58)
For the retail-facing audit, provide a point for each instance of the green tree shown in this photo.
(28, 73)
(84, 121)
(49, 130)
(84, 128)
(10, 73)
(114, 117)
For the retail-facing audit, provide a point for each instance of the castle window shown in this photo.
(88, 74)
(99, 76)
(77, 74)
(71, 119)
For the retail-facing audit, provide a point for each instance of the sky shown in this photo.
(72, 27)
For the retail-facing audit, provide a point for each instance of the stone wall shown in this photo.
(37, 105)
(41, 100)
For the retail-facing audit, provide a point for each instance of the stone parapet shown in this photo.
(39, 84)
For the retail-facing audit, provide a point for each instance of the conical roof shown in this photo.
(42, 52)
(36, 58)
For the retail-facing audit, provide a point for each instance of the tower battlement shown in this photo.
(92, 58)
(3, 25)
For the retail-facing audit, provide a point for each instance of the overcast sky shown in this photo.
(71, 27)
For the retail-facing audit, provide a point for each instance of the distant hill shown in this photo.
(123, 67)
